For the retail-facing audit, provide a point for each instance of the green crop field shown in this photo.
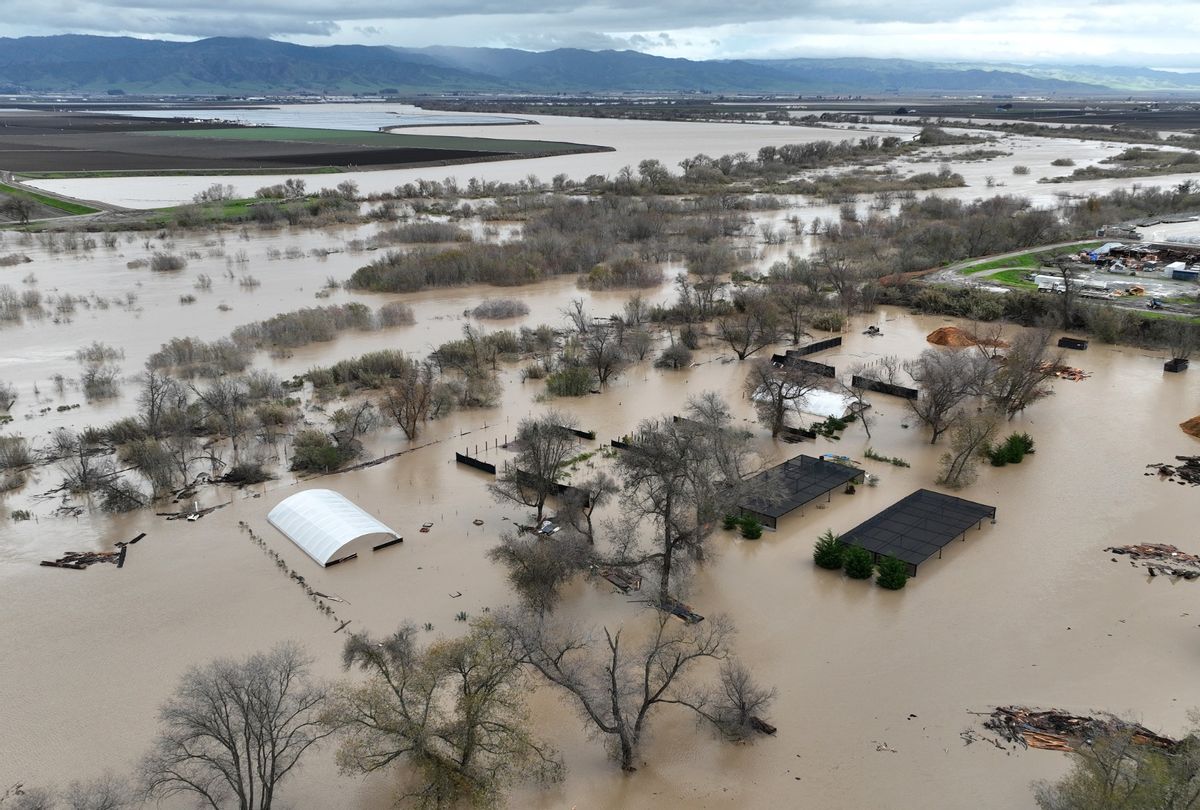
(376, 139)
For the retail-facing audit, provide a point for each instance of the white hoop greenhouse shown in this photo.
(324, 524)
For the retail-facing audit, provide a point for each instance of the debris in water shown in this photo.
(1162, 558)
(1054, 730)
(1188, 472)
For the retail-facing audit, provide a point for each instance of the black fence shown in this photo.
(813, 348)
(867, 384)
(478, 464)
(621, 445)
(590, 435)
(820, 369)
(1072, 343)
(793, 434)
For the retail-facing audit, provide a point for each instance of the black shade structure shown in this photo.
(792, 484)
(915, 528)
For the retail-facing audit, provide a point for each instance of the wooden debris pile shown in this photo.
(1187, 471)
(1054, 730)
(1064, 372)
(1161, 558)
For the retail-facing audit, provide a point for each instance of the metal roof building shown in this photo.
(324, 524)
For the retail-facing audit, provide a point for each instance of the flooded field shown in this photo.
(874, 687)
(634, 141)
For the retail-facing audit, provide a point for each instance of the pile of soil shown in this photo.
(960, 338)
(1191, 427)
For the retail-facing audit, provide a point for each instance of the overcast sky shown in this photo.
(1152, 33)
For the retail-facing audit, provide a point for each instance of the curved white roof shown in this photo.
(323, 522)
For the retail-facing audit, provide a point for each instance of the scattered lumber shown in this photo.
(623, 581)
(1185, 471)
(1064, 372)
(80, 560)
(680, 611)
(1161, 558)
(1054, 730)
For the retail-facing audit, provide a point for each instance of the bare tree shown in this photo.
(18, 208)
(577, 315)
(225, 402)
(681, 474)
(971, 436)
(410, 396)
(234, 730)
(107, 792)
(8, 395)
(793, 302)
(602, 352)
(750, 327)
(735, 704)
(616, 685)
(1022, 373)
(1182, 337)
(777, 391)
(78, 460)
(946, 380)
(159, 392)
(455, 712)
(637, 311)
(538, 567)
(544, 446)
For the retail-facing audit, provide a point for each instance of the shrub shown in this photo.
(395, 314)
(428, 232)
(857, 562)
(751, 528)
(730, 522)
(828, 552)
(573, 381)
(165, 262)
(14, 453)
(1011, 451)
(1062, 162)
(500, 308)
(1020, 170)
(676, 356)
(892, 574)
(314, 451)
(828, 321)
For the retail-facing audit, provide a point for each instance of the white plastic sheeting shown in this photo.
(323, 522)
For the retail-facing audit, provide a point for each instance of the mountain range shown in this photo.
(223, 65)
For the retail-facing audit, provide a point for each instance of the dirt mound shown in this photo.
(960, 338)
(1191, 427)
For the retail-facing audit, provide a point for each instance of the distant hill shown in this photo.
(223, 65)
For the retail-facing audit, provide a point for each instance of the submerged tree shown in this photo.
(616, 684)
(777, 391)
(1023, 372)
(544, 445)
(946, 380)
(234, 730)
(454, 712)
(683, 475)
(751, 326)
(969, 439)
(538, 567)
(409, 398)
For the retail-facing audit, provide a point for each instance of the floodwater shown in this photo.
(1029, 610)
(874, 687)
(362, 117)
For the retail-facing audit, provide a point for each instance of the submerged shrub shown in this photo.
(1011, 451)
(893, 574)
(857, 562)
(395, 314)
(165, 262)
(573, 381)
(676, 356)
(828, 552)
(500, 308)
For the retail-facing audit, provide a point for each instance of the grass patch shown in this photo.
(1029, 261)
(1014, 278)
(49, 202)
(376, 139)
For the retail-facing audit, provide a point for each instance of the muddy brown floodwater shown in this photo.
(874, 686)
